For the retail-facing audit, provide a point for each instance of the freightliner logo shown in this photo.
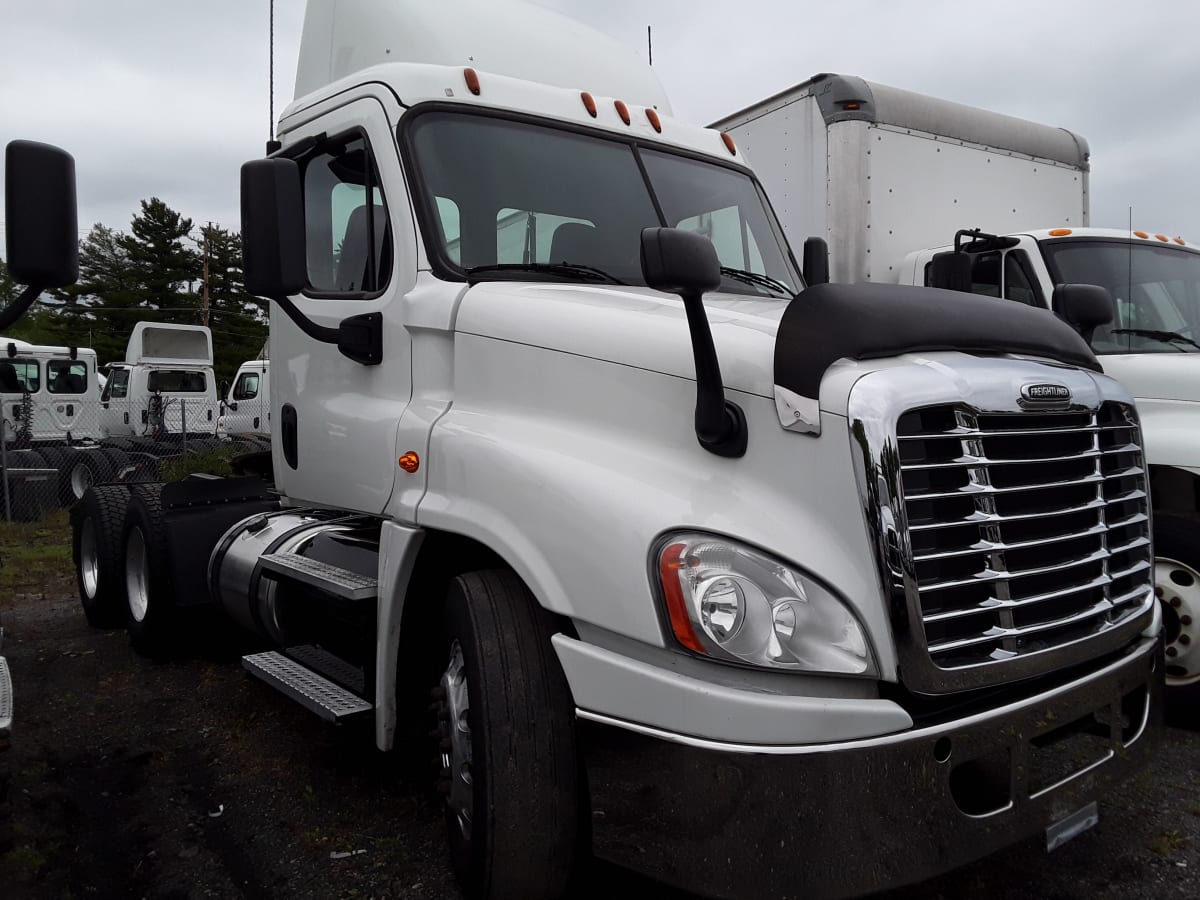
(1044, 393)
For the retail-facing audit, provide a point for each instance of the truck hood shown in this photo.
(1156, 376)
(632, 326)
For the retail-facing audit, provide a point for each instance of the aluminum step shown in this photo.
(315, 692)
(330, 665)
(321, 575)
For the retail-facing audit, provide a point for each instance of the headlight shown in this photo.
(729, 601)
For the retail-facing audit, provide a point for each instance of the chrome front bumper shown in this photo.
(836, 820)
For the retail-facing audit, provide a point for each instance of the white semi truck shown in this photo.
(683, 561)
(246, 404)
(917, 190)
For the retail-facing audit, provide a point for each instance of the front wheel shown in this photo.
(1177, 584)
(507, 743)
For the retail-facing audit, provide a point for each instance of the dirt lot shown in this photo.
(186, 779)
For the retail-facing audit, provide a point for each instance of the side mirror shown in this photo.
(950, 270)
(273, 243)
(816, 261)
(685, 263)
(1085, 307)
(223, 389)
(42, 222)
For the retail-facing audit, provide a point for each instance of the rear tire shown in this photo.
(98, 532)
(509, 763)
(150, 612)
(118, 461)
(81, 469)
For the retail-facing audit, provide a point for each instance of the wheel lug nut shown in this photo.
(1176, 602)
(1185, 620)
(1184, 639)
(1158, 592)
(1172, 651)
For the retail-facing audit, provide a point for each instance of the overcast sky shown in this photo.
(162, 98)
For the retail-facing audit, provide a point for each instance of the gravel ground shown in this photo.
(187, 779)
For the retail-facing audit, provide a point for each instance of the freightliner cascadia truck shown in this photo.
(580, 486)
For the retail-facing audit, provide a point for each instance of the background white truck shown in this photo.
(655, 540)
(898, 181)
(246, 404)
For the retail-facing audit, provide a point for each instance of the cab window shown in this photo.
(347, 230)
(246, 387)
(19, 376)
(117, 385)
(66, 376)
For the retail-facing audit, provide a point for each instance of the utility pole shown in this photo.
(204, 295)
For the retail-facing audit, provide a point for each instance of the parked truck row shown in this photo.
(642, 534)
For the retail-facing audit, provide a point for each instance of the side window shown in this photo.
(119, 382)
(731, 236)
(348, 234)
(985, 274)
(526, 236)
(451, 228)
(246, 387)
(1017, 285)
(66, 376)
(20, 375)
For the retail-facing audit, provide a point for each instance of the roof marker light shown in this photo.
(729, 145)
(472, 78)
(1181, 241)
(1162, 237)
(654, 120)
(1141, 234)
(1059, 232)
(622, 110)
(589, 103)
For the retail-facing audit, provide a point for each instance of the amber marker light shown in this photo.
(589, 103)
(472, 78)
(1059, 232)
(669, 566)
(729, 145)
(1181, 242)
(622, 110)
(1141, 234)
(1162, 237)
(654, 120)
(410, 462)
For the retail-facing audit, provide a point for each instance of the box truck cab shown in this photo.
(49, 395)
(644, 543)
(246, 406)
(164, 386)
(899, 181)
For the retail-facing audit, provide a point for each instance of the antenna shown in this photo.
(650, 45)
(272, 144)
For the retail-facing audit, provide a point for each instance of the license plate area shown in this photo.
(1072, 826)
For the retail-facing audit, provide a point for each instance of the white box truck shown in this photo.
(682, 563)
(897, 182)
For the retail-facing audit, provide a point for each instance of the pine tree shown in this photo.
(164, 268)
(238, 319)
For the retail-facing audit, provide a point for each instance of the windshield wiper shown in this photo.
(755, 278)
(1166, 337)
(576, 270)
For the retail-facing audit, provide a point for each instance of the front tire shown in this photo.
(98, 531)
(507, 743)
(1177, 584)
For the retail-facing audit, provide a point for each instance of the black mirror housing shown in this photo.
(273, 240)
(41, 216)
(677, 262)
(1085, 307)
(816, 261)
(951, 271)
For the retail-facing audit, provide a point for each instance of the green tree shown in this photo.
(8, 288)
(238, 319)
(163, 267)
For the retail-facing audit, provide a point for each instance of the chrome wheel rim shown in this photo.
(89, 558)
(1177, 586)
(455, 746)
(81, 480)
(136, 576)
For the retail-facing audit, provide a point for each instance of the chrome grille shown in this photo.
(1028, 530)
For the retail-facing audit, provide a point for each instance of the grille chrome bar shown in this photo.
(992, 573)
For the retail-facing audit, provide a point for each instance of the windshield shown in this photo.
(1156, 288)
(547, 203)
